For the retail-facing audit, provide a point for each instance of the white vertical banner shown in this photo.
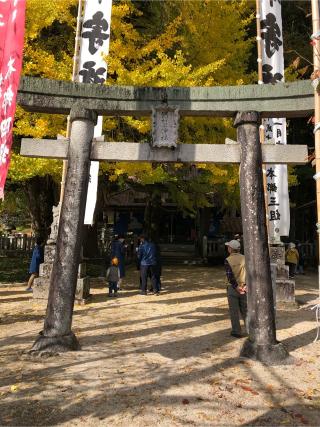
(95, 41)
(275, 129)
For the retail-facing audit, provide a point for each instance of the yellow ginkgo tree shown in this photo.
(176, 43)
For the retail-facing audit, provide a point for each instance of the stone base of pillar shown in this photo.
(83, 290)
(284, 288)
(41, 289)
(41, 284)
(285, 291)
(52, 345)
(275, 354)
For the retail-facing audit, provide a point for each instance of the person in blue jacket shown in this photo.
(36, 260)
(147, 256)
(118, 250)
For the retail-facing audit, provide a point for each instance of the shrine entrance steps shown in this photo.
(172, 253)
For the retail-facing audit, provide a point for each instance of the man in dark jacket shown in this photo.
(148, 260)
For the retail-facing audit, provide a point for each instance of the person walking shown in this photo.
(113, 277)
(118, 250)
(148, 262)
(36, 260)
(236, 289)
(292, 259)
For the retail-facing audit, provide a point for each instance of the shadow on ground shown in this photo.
(167, 360)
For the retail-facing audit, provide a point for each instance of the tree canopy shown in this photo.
(176, 43)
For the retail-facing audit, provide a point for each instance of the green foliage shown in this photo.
(14, 209)
(14, 269)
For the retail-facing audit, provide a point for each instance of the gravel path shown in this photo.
(165, 360)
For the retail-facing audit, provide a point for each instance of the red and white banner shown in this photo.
(12, 18)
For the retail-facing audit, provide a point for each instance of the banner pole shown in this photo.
(75, 75)
(316, 66)
(261, 127)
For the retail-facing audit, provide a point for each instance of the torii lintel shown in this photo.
(58, 97)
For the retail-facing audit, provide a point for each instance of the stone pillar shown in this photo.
(57, 334)
(261, 344)
(41, 284)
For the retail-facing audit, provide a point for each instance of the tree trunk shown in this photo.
(57, 335)
(261, 344)
(153, 216)
(41, 192)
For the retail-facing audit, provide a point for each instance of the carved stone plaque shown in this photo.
(165, 122)
(277, 254)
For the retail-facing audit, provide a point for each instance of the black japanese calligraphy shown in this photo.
(273, 201)
(270, 173)
(269, 128)
(90, 75)
(271, 34)
(271, 187)
(98, 33)
(268, 76)
(274, 1)
(274, 215)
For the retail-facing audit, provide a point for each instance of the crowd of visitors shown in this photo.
(148, 261)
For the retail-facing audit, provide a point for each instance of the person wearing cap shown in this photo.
(292, 259)
(240, 240)
(236, 290)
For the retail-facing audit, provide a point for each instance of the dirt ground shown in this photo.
(165, 360)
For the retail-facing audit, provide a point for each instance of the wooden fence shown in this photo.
(16, 243)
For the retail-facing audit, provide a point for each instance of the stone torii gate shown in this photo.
(248, 104)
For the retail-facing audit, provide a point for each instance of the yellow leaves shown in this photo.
(38, 125)
(165, 40)
(22, 168)
(216, 32)
(198, 44)
(14, 389)
(156, 62)
(45, 64)
(142, 173)
(41, 14)
(143, 126)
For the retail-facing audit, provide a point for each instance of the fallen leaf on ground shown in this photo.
(249, 389)
(242, 380)
(286, 421)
